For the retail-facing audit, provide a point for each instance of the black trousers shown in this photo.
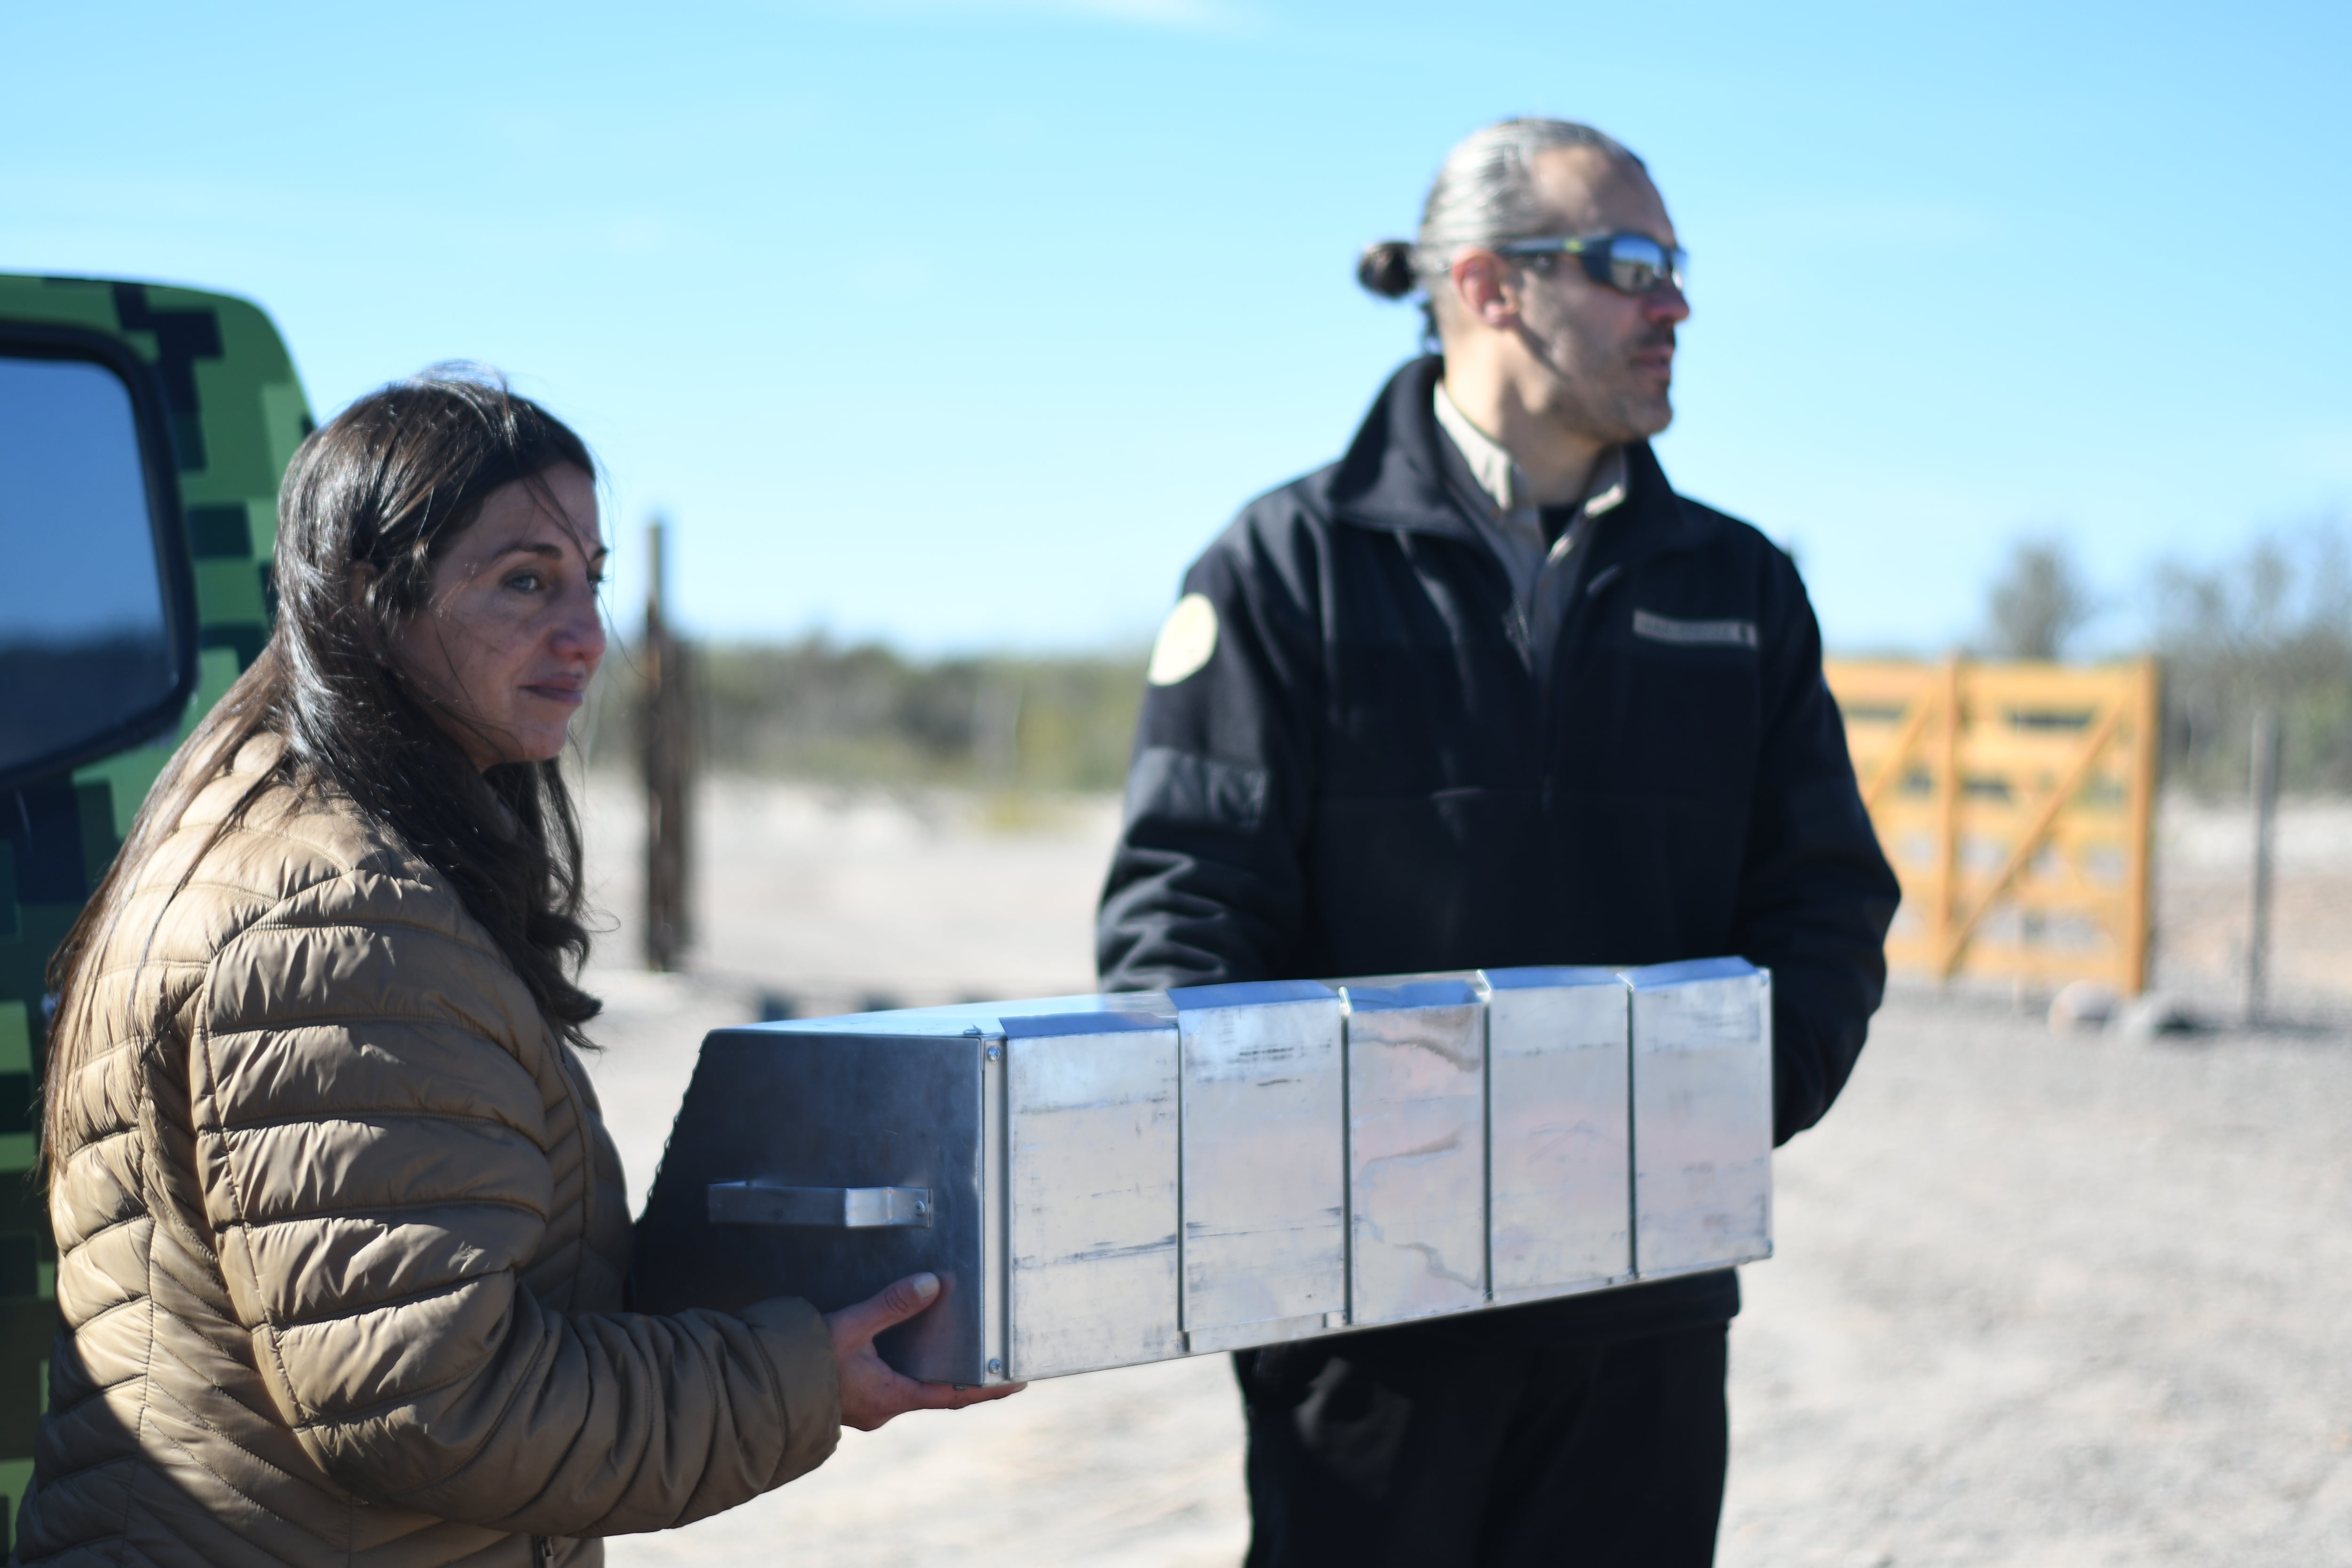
(1398, 1446)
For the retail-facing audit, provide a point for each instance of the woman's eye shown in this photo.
(525, 582)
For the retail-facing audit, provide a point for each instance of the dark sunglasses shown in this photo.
(1629, 263)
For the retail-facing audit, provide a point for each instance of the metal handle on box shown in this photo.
(849, 1208)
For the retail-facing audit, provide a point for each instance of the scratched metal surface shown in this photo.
(1090, 1109)
(1265, 1167)
(1558, 1088)
(1702, 1116)
(1416, 1150)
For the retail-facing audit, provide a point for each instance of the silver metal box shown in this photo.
(825, 1118)
(1702, 1036)
(1265, 1166)
(1100, 1180)
(1091, 1117)
(1560, 1078)
(1024, 1152)
(1416, 1150)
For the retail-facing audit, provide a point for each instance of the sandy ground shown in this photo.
(2039, 1300)
(2204, 895)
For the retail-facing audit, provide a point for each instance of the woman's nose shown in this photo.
(581, 634)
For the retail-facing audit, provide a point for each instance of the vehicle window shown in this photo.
(86, 643)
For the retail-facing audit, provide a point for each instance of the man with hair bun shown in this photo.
(1487, 692)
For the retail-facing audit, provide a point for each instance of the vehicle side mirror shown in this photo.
(96, 606)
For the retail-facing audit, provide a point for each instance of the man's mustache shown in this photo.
(1660, 335)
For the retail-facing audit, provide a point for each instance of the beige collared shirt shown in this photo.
(1542, 571)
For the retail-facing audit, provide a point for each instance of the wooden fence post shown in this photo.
(2264, 784)
(2147, 719)
(666, 730)
(1948, 823)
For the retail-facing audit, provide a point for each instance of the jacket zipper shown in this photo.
(1575, 622)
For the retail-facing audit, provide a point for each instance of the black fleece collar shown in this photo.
(1394, 478)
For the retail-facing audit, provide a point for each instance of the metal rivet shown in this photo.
(995, 1053)
(995, 1367)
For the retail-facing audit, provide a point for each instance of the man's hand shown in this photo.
(870, 1391)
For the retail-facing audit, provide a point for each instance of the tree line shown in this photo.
(865, 713)
(2268, 628)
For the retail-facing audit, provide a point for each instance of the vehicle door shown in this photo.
(144, 430)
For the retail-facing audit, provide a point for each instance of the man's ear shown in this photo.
(1482, 287)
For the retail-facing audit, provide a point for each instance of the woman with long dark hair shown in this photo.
(342, 1240)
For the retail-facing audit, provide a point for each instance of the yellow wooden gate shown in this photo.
(2016, 802)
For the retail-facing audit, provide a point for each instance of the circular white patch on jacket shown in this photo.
(1187, 638)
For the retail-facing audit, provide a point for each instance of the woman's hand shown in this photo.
(870, 1391)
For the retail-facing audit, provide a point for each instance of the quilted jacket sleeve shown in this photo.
(375, 1111)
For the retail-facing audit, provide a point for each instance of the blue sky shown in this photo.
(967, 323)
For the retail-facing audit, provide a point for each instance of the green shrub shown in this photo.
(868, 715)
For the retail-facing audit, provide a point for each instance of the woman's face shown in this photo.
(510, 636)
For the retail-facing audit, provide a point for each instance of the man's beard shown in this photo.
(1613, 406)
(1650, 411)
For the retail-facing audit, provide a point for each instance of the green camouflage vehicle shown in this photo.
(142, 433)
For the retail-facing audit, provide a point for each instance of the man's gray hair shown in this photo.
(1486, 193)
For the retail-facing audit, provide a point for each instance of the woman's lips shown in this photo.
(565, 692)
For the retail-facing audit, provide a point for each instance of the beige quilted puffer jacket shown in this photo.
(341, 1247)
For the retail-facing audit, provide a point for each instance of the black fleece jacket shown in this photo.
(1366, 776)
